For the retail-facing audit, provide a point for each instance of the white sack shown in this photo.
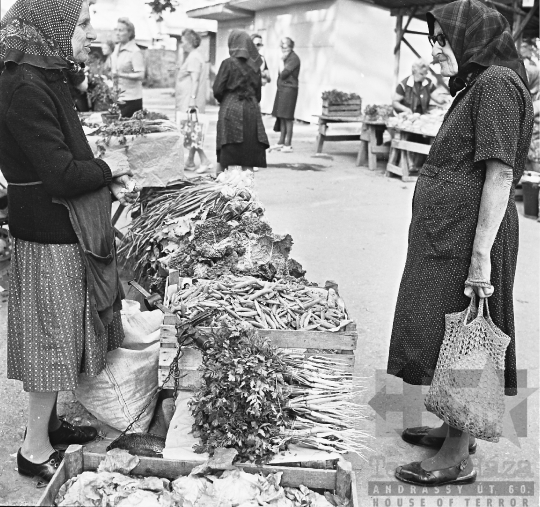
(119, 393)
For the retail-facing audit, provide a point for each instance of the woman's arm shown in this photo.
(493, 206)
(137, 61)
(195, 78)
(220, 83)
(398, 106)
(290, 65)
(33, 123)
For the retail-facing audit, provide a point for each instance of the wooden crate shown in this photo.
(350, 108)
(341, 344)
(341, 480)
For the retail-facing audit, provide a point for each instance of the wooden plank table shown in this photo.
(400, 150)
(369, 148)
(323, 135)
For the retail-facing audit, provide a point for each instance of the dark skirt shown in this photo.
(51, 337)
(249, 153)
(441, 235)
(131, 106)
(285, 103)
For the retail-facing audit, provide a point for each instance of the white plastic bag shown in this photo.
(119, 393)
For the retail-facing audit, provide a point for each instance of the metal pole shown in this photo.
(516, 23)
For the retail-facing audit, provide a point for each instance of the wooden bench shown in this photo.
(369, 149)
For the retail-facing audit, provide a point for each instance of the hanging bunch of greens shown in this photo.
(240, 404)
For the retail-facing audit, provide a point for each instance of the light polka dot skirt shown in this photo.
(51, 337)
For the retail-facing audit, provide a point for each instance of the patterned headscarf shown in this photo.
(241, 46)
(38, 32)
(479, 36)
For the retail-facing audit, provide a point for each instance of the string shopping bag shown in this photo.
(467, 391)
(193, 129)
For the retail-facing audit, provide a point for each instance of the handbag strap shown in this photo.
(193, 114)
(472, 304)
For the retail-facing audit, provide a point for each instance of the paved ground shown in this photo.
(350, 224)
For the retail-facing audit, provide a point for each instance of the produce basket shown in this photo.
(349, 108)
(342, 480)
(308, 343)
(337, 103)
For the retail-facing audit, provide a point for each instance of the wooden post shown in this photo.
(74, 461)
(344, 479)
(516, 23)
(397, 50)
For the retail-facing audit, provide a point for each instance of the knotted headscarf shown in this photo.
(38, 32)
(241, 46)
(479, 36)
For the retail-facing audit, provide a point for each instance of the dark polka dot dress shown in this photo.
(51, 337)
(491, 119)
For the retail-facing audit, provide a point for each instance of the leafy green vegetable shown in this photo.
(240, 404)
(338, 97)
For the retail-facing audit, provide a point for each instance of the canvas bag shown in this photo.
(119, 393)
(193, 129)
(467, 391)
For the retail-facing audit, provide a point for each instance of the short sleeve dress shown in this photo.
(491, 119)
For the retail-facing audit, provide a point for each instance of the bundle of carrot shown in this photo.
(264, 305)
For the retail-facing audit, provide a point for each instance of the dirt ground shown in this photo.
(350, 225)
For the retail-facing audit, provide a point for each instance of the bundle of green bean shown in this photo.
(264, 305)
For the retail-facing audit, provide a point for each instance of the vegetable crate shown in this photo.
(342, 480)
(322, 343)
(352, 107)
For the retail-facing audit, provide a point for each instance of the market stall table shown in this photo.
(371, 143)
(323, 135)
(401, 146)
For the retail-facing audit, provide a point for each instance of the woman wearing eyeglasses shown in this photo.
(265, 72)
(463, 236)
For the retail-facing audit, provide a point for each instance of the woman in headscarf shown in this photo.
(463, 237)
(241, 138)
(65, 295)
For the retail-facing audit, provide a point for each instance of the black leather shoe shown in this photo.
(413, 473)
(44, 471)
(68, 434)
(419, 436)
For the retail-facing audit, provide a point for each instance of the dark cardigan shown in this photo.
(42, 140)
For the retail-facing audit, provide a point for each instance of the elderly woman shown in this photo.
(65, 295)
(127, 68)
(464, 231)
(413, 94)
(241, 138)
(191, 89)
(286, 96)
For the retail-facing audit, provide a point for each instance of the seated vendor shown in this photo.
(414, 93)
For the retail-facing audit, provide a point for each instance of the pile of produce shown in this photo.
(257, 399)
(206, 486)
(378, 112)
(207, 229)
(285, 304)
(426, 124)
(338, 97)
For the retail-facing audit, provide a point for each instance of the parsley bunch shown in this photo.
(240, 404)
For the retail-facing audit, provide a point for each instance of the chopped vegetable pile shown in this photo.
(426, 124)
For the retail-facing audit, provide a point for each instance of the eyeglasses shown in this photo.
(439, 38)
(259, 45)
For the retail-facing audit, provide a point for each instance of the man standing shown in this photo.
(265, 73)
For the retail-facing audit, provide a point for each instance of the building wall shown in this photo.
(343, 44)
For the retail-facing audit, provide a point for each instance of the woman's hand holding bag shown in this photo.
(478, 280)
(467, 390)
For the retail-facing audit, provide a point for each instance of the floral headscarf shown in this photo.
(479, 36)
(38, 32)
(241, 46)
